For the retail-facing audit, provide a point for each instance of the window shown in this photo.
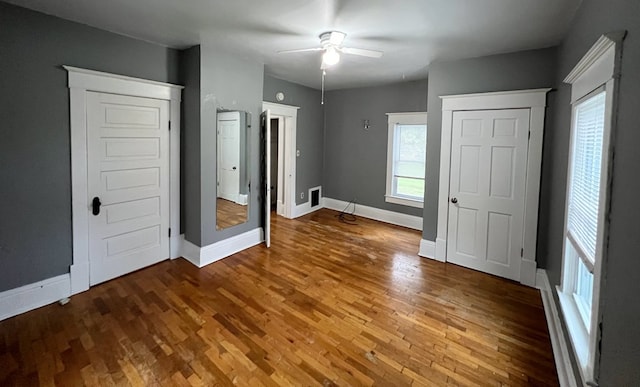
(406, 158)
(586, 201)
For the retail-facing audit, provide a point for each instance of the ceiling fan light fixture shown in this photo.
(331, 56)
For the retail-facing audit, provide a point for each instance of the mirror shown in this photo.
(232, 198)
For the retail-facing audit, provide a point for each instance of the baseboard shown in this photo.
(427, 249)
(29, 297)
(305, 208)
(202, 256)
(558, 342)
(409, 221)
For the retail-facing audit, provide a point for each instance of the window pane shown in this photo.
(410, 187)
(410, 149)
(584, 293)
(584, 196)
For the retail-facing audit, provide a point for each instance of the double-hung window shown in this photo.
(406, 158)
(592, 90)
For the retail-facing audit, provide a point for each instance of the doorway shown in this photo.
(283, 161)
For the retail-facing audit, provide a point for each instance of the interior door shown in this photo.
(229, 156)
(265, 156)
(487, 189)
(128, 183)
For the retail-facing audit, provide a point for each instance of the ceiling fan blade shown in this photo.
(301, 50)
(362, 52)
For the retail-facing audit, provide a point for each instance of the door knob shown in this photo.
(454, 200)
(95, 206)
(234, 168)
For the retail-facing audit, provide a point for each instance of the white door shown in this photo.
(487, 189)
(229, 156)
(265, 138)
(128, 183)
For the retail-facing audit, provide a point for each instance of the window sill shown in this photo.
(577, 333)
(404, 201)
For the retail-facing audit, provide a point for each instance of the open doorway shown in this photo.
(282, 141)
(276, 170)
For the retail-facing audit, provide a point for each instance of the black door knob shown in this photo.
(454, 200)
(95, 205)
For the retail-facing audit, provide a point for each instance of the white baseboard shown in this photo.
(79, 277)
(558, 343)
(202, 256)
(33, 296)
(409, 221)
(427, 249)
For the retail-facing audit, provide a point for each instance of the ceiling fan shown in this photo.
(331, 45)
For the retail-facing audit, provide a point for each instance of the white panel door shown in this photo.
(229, 156)
(128, 183)
(487, 190)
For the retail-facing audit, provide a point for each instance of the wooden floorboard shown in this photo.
(328, 304)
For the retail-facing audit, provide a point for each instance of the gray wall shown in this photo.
(355, 160)
(620, 309)
(35, 171)
(232, 82)
(309, 130)
(190, 146)
(520, 70)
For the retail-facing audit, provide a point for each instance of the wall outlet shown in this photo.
(301, 195)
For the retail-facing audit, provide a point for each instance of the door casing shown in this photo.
(80, 81)
(535, 101)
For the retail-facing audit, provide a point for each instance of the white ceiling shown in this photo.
(412, 33)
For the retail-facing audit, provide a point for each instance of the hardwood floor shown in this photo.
(328, 304)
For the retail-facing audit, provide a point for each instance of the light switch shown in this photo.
(298, 153)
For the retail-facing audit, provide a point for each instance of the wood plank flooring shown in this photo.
(329, 304)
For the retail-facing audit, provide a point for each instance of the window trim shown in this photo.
(410, 118)
(598, 70)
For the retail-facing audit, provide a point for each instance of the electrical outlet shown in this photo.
(301, 195)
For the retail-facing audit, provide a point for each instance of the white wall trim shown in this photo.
(535, 100)
(202, 256)
(597, 66)
(29, 297)
(560, 349)
(289, 115)
(399, 219)
(81, 81)
(427, 249)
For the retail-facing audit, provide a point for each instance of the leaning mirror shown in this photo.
(232, 198)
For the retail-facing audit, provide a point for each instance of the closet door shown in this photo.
(487, 190)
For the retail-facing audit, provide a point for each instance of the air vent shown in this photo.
(314, 194)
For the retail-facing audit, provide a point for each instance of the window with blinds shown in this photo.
(584, 180)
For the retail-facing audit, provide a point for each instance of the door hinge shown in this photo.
(529, 135)
(521, 252)
(169, 232)
(169, 125)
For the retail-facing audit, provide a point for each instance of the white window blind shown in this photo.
(584, 183)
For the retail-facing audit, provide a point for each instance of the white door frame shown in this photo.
(289, 120)
(535, 100)
(80, 82)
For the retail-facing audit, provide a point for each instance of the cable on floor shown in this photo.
(348, 217)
